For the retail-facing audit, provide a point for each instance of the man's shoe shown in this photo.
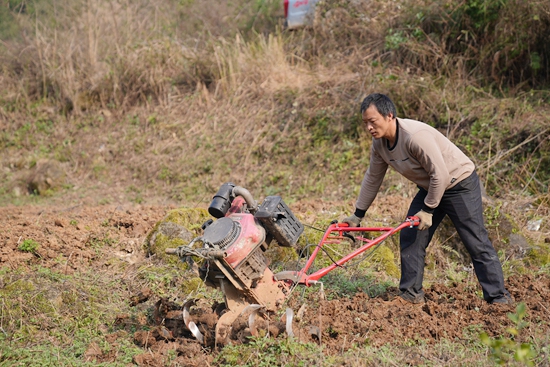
(412, 299)
(504, 300)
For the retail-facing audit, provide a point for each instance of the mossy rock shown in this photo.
(382, 259)
(192, 285)
(281, 257)
(177, 228)
(539, 255)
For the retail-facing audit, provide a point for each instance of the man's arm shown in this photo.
(371, 183)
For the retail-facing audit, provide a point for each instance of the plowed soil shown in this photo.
(448, 313)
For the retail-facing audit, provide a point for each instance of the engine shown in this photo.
(242, 232)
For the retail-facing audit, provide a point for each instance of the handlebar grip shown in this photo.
(218, 254)
(413, 220)
(211, 253)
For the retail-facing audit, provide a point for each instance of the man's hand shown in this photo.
(425, 220)
(352, 220)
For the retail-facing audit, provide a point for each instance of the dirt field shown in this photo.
(448, 312)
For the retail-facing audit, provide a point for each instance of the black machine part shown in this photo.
(279, 221)
(221, 202)
(221, 233)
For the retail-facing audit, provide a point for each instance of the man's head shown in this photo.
(378, 113)
(383, 104)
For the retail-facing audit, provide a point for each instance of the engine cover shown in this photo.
(222, 233)
(279, 221)
(250, 237)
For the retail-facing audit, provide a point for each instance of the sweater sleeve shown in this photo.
(430, 157)
(371, 182)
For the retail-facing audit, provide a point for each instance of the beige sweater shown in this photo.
(423, 155)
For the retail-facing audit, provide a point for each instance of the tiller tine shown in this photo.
(236, 303)
(289, 316)
(255, 308)
(190, 324)
(224, 325)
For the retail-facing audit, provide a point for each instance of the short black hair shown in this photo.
(382, 102)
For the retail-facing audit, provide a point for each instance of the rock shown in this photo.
(177, 228)
(518, 246)
(47, 175)
(173, 230)
(167, 232)
(59, 223)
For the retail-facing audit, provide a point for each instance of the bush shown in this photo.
(501, 42)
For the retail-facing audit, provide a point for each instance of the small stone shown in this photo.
(141, 297)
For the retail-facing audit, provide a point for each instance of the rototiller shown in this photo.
(233, 257)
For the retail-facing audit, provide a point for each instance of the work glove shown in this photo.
(425, 220)
(353, 220)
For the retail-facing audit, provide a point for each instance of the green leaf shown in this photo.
(485, 339)
(512, 331)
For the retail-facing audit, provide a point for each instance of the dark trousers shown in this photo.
(462, 204)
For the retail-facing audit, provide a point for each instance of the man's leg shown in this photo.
(413, 245)
(463, 205)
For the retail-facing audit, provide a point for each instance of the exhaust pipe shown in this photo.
(247, 196)
(221, 202)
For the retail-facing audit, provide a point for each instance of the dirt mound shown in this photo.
(450, 312)
(79, 234)
(90, 236)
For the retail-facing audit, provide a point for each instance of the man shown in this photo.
(448, 185)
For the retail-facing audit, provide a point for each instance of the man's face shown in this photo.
(377, 125)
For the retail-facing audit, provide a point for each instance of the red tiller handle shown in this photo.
(301, 276)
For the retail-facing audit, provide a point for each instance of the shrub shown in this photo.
(502, 42)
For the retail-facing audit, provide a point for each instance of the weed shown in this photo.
(60, 316)
(503, 349)
(28, 245)
(98, 241)
(104, 201)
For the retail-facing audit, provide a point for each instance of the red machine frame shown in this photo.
(301, 276)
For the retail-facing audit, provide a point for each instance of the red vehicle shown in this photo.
(299, 13)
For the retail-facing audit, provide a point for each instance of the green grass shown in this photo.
(287, 352)
(50, 319)
(265, 351)
(345, 283)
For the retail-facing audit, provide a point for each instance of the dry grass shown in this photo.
(124, 94)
